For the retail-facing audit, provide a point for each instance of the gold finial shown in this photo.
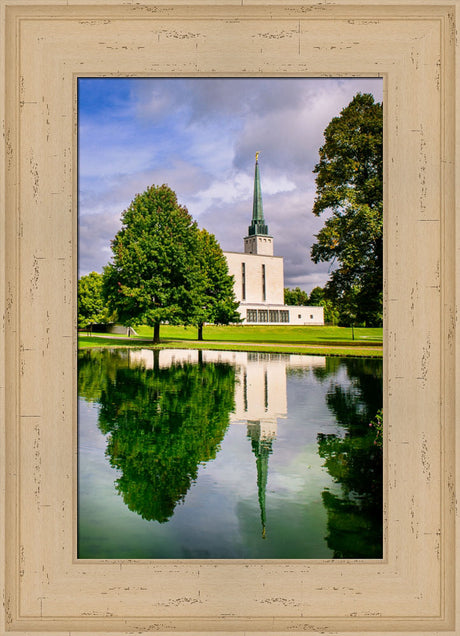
(257, 155)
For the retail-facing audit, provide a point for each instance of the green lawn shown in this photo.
(269, 333)
(288, 339)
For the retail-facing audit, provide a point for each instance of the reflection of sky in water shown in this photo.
(220, 516)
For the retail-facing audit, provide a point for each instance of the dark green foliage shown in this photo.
(331, 312)
(217, 304)
(96, 369)
(354, 460)
(162, 424)
(377, 425)
(352, 534)
(349, 183)
(296, 296)
(316, 296)
(155, 276)
(164, 269)
(91, 303)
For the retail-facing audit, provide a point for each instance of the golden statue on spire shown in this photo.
(257, 155)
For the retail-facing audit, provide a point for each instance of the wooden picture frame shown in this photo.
(47, 46)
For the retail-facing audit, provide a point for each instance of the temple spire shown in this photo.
(262, 449)
(258, 225)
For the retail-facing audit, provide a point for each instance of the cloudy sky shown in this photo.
(200, 137)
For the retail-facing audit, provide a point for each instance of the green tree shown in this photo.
(91, 304)
(318, 298)
(296, 296)
(217, 303)
(331, 312)
(349, 184)
(155, 275)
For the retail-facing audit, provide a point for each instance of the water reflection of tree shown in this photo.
(162, 424)
(354, 460)
(97, 368)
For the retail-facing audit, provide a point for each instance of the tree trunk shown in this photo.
(200, 331)
(156, 333)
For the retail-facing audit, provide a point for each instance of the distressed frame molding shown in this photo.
(46, 47)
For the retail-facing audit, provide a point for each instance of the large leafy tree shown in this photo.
(91, 304)
(155, 275)
(349, 184)
(217, 304)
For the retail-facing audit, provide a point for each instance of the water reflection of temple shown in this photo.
(260, 394)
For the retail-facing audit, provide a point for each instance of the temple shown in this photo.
(259, 275)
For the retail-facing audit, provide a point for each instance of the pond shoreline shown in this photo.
(358, 350)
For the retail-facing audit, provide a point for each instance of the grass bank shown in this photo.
(270, 333)
(336, 341)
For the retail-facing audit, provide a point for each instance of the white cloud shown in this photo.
(199, 136)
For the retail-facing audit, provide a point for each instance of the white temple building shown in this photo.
(259, 276)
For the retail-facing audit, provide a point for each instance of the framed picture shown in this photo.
(251, 463)
(48, 47)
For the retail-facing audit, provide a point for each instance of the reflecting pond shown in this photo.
(213, 454)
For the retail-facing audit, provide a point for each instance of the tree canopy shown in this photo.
(153, 276)
(217, 304)
(318, 298)
(296, 296)
(349, 184)
(91, 304)
(164, 269)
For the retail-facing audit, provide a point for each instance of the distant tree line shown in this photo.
(317, 297)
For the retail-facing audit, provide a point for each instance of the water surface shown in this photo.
(187, 454)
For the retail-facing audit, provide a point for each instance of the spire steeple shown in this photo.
(258, 241)
(258, 226)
